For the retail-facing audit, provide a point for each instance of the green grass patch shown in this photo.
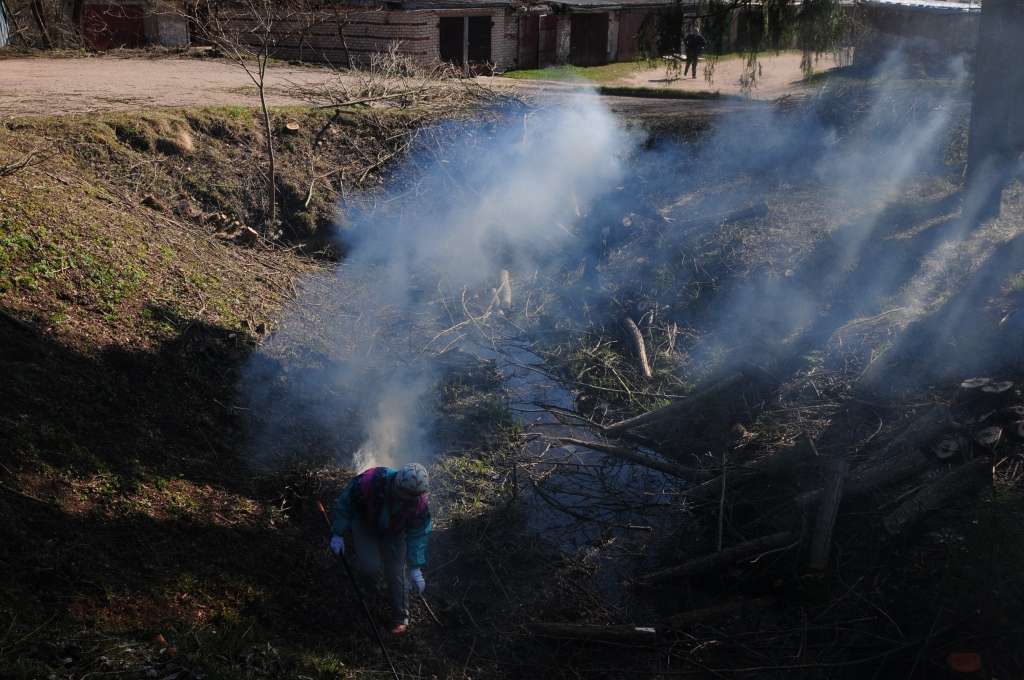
(608, 73)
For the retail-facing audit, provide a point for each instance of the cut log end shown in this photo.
(989, 437)
(1000, 387)
(949, 447)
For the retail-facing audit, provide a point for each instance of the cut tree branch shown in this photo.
(673, 469)
(828, 509)
(725, 558)
(639, 348)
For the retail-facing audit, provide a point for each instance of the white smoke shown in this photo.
(470, 202)
(540, 191)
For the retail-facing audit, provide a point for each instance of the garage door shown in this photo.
(107, 26)
(588, 42)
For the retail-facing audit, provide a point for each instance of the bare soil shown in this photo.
(31, 86)
(779, 75)
(39, 85)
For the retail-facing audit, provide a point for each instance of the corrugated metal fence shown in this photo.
(5, 30)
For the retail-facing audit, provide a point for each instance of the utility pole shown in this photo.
(995, 137)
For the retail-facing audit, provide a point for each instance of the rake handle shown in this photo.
(362, 601)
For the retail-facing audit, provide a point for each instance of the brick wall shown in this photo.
(350, 37)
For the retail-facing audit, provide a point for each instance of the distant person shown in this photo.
(387, 513)
(694, 45)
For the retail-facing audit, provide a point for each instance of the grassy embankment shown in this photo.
(134, 538)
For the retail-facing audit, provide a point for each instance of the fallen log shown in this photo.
(679, 408)
(621, 634)
(902, 458)
(674, 469)
(720, 611)
(957, 482)
(725, 558)
(904, 465)
(828, 509)
(639, 348)
(701, 398)
(780, 464)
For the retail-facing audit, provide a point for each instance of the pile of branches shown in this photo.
(769, 513)
(392, 79)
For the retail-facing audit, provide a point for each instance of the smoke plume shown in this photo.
(566, 194)
(474, 199)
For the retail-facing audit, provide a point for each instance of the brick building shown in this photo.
(500, 34)
(96, 24)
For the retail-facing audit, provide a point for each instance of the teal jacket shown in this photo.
(368, 497)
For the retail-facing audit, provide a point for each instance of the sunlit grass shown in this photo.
(608, 73)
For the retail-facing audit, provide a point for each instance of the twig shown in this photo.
(721, 507)
(367, 100)
(674, 469)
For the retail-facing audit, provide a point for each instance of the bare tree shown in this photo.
(250, 33)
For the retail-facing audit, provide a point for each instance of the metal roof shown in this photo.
(452, 4)
(611, 4)
(933, 6)
(568, 5)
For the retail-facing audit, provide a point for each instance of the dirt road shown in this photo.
(780, 74)
(34, 86)
(40, 86)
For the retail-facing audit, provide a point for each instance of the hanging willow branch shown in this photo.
(815, 27)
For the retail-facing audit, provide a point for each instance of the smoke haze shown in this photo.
(551, 194)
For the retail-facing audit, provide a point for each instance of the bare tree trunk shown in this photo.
(261, 86)
(40, 19)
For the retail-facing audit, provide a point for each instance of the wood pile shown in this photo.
(944, 452)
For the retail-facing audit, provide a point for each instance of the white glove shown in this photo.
(337, 545)
(416, 576)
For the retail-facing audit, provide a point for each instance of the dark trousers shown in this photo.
(691, 63)
(376, 554)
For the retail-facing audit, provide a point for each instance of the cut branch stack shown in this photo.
(942, 444)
